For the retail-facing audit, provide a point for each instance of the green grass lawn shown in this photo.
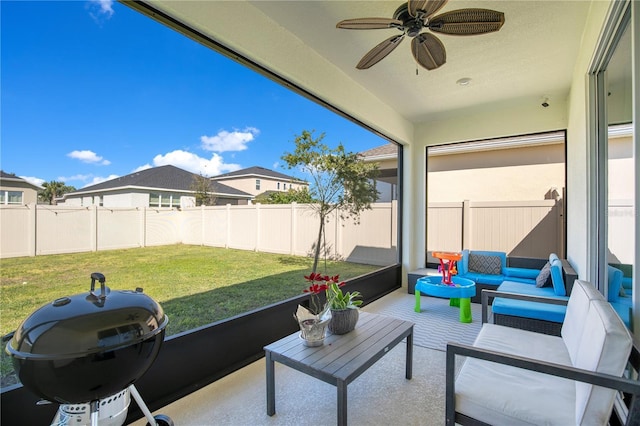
(195, 285)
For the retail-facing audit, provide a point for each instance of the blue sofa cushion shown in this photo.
(531, 289)
(485, 264)
(614, 281)
(523, 308)
(479, 278)
(623, 309)
(556, 278)
(544, 277)
(523, 273)
(526, 309)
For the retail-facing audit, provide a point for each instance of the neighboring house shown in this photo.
(257, 180)
(511, 169)
(164, 186)
(530, 167)
(17, 191)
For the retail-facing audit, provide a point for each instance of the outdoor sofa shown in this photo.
(540, 317)
(511, 376)
(488, 269)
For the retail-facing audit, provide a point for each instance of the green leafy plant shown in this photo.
(339, 300)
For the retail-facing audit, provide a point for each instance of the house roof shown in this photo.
(10, 177)
(257, 171)
(390, 150)
(168, 178)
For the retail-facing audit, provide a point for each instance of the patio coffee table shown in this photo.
(459, 293)
(342, 358)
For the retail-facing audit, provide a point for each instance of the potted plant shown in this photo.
(344, 308)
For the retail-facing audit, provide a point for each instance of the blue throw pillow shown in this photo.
(544, 277)
(556, 278)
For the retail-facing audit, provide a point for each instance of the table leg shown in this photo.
(465, 310)
(342, 402)
(409, 360)
(454, 301)
(271, 385)
(417, 294)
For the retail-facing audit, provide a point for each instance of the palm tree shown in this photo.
(52, 190)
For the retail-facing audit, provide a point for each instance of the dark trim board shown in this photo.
(192, 360)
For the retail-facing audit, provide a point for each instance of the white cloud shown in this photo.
(104, 9)
(33, 180)
(229, 141)
(82, 178)
(275, 165)
(194, 163)
(87, 156)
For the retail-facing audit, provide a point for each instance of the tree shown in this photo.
(203, 189)
(301, 196)
(340, 180)
(52, 190)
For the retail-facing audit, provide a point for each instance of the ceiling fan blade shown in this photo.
(467, 22)
(369, 23)
(428, 51)
(379, 52)
(429, 7)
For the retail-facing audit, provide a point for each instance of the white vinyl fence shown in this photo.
(35, 230)
(527, 228)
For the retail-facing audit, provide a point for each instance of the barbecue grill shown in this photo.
(86, 351)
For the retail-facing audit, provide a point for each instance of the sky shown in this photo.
(93, 90)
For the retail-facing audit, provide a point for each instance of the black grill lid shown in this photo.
(88, 323)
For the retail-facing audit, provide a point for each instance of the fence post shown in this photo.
(93, 238)
(466, 224)
(202, 225)
(258, 226)
(33, 226)
(292, 240)
(228, 236)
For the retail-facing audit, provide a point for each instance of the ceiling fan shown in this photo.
(414, 16)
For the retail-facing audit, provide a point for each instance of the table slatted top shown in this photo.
(343, 357)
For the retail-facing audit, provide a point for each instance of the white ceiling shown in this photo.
(531, 57)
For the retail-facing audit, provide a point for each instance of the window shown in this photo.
(257, 184)
(154, 200)
(613, 170)
(278, 186)
(11, 197)
(285, 187)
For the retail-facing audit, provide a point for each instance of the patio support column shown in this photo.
(414, 208)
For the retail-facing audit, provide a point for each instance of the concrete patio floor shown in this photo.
(380, 396)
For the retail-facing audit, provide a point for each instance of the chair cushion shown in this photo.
(494, 392)
(485, 264)
(556, 278)
(605, 347)
(577, 309)
(544, 277)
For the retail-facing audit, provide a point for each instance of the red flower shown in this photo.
(316, 288)
(318, 284)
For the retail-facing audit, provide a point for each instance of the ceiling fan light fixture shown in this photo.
(465, 81)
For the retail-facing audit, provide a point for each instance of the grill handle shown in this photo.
(97, 276)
